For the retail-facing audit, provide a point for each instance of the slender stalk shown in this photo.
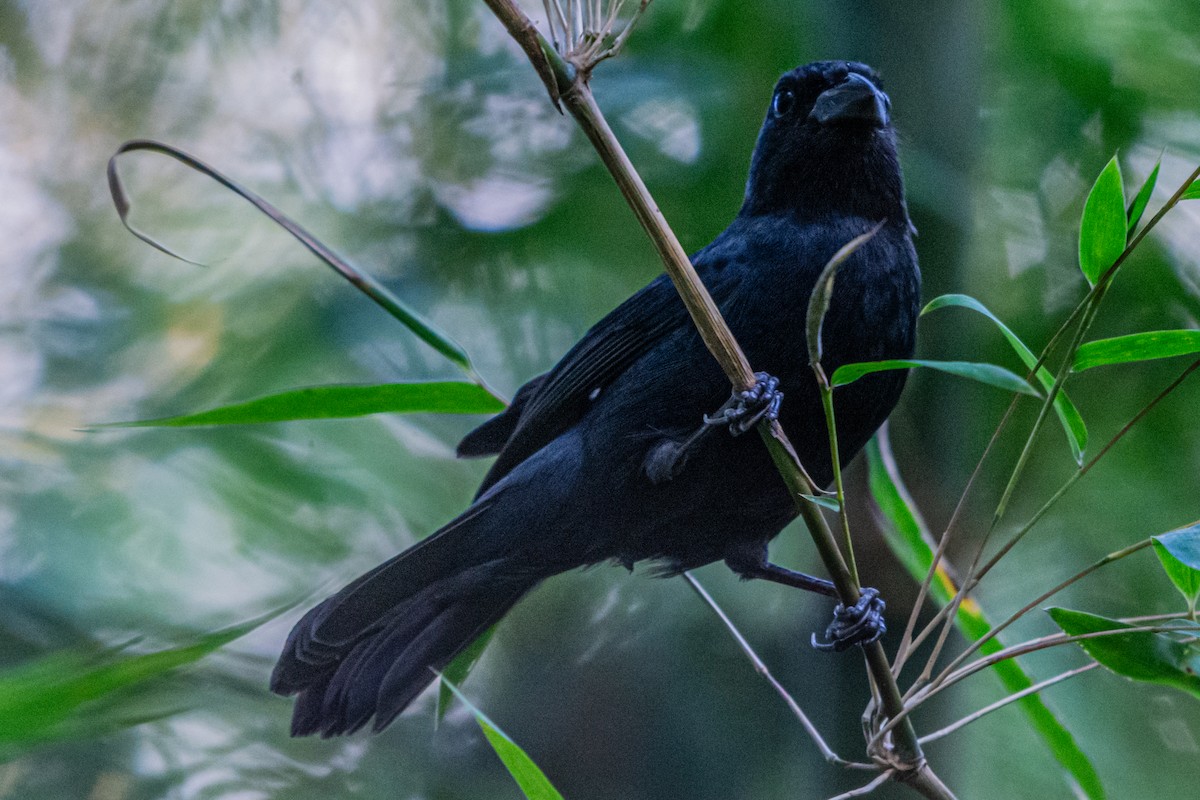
(761, 668)
(1032, 646)
(974, 580)
(907, 642)
(904, 753)
(1086, 468)
(862, 791)
(521, 28)
(1001, 703)
(1060, 378)
(995, 631)
(1064, 371)
(716, 335)
(836, 460)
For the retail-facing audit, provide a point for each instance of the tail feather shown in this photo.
(369, 650)
(462, 623)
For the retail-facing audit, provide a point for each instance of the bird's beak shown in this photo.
(854, 100)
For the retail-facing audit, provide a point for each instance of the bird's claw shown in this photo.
(744, 409)
(862, 623)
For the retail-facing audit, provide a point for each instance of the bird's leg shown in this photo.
(750, 562)
(666, 459)
(861, 623)
(745, 408)
(740, 412)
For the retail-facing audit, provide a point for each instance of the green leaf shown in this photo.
(456, 671)
(1136, 347)
(824, 501)
(1179, 552)
(60, 695)
(1138, 206)
(1103, 229)
(335, 402)
(1068, 415)
(1140, 656)
(984, 373)
(528, 775)
(818, 301)
(1192, 192)
(423, 328)
(910, 540)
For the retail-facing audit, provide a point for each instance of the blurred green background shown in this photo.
(413, 137)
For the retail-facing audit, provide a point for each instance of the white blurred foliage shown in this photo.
(670, 124)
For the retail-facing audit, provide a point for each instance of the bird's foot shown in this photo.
(744, 409)
(862, 623)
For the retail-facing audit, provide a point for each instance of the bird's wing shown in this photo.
(551, 403)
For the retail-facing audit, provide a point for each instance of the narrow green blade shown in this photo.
(336, 402)
(1104, 227)
(1068, 414)
(1136, 347)
(62, 695)
(1138, 206)
(990, 374)
(423, 328)
(456, 671)
(528, 775)
(818, 301)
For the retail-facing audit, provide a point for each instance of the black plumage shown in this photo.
(590, 463)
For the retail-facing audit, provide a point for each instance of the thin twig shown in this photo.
(761, 668)
(1001, 703)
(1025, 648)
(1087, 468)
(1035, 645)
(904, 752)
(995, 631)
(883, 778)
(969, 584)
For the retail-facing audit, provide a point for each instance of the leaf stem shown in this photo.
(995, 631)
(1004, 701)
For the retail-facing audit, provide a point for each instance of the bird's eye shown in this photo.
(784, 102)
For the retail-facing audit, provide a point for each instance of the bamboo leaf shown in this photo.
(1136, 347)
(910, 540)
(338, 402)
(818, 301)
(459, 669)
(1068, 415)
(533, 782)
(60, 695)
(423, 328)
(1138, 206)
(1103, 229)
(1179, 553)
(990, 374)
(1192, 192)
(1140, 656)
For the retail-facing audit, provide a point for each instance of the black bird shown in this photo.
(609, 456)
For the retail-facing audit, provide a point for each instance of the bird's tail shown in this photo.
(370, 649)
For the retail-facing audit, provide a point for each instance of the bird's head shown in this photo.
(827, 146)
